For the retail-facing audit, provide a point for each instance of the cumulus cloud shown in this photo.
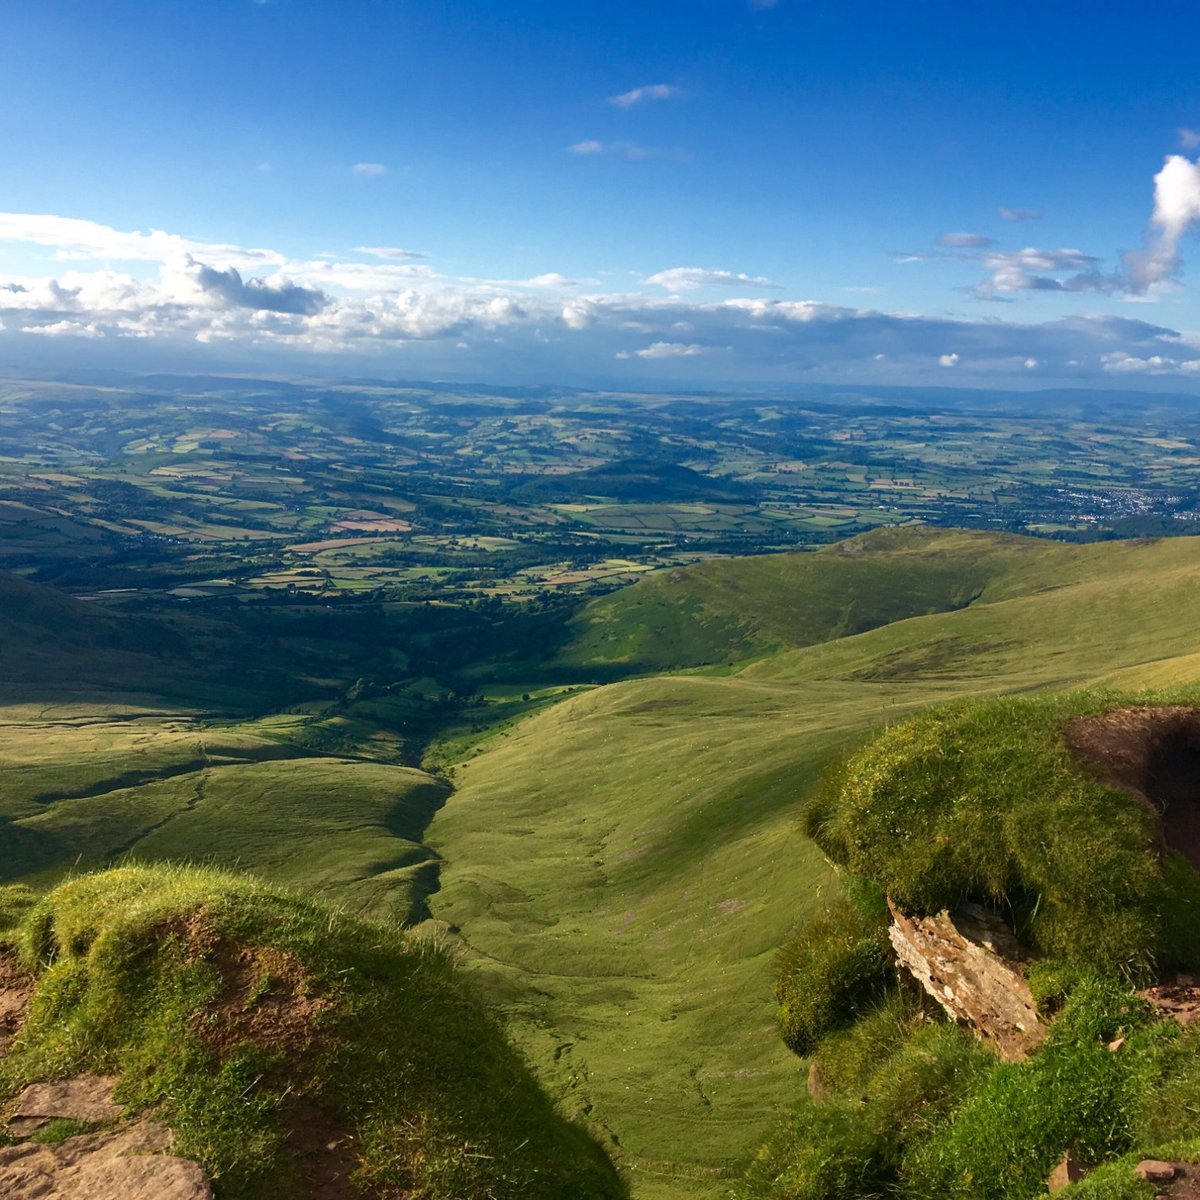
(369, 168)
(1020, 214)
(1176, 206)
(280, 297)
(947, 360)
(651, 91)
(676, 279)
(682, 319)
(1034, 270)
(1189, 139)
(964, 241)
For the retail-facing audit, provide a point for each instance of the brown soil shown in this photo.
(324, 1154)
(268, 998)
(1154, 754)
(16, 990)
(1185, 1185)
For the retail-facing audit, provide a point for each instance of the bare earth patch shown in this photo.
(16, 990)
(1154, 754)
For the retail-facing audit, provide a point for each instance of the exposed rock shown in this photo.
(968, 961)
(82, 1098)
(124, 1164)
(1154, 1170)
(1180, 1003)
(1067, 1171)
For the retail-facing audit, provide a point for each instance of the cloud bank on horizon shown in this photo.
(134, 287)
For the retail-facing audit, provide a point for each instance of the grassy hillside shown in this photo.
(727, 610)
(47, 636)
(1075, 816)
(285, 1044)
(621, 867)
(624, 866)
(119, 785)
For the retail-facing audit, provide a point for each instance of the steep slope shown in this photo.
(623, 867)
(728, 610)
(294, 1052)
(47, 637)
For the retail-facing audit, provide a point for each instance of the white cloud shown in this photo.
(672, 350)
(391, 253)
(947, 360)
(677, 279)
(1176, 206)
(371, 169)
(1020, 214)
(630, 151)
(82, 241)
(552, 279)
(1189, 139)
(651, 91)
(1031, 364)
(241, 299)
(965, 241)
(1034, 270)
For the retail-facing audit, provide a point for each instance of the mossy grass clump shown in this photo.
(264, 1029)
(835, 967)
(918, 1109)
(985, 801)
(893, 1077)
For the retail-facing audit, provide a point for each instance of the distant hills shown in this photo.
(635, 479)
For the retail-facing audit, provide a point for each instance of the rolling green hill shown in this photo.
(624, 866)
(727, 610)
(620, 868)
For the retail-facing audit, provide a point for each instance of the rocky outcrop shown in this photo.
(122, 1164)
(969, 962)
(127, 1161)
(82, 1098)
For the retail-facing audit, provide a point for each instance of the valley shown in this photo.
(592, 799)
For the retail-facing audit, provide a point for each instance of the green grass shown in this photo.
(983, 801)
(347, 831)
(725, 610)
(241, 1014)
(624, 866)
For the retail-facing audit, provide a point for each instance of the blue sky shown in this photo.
(693, 190)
